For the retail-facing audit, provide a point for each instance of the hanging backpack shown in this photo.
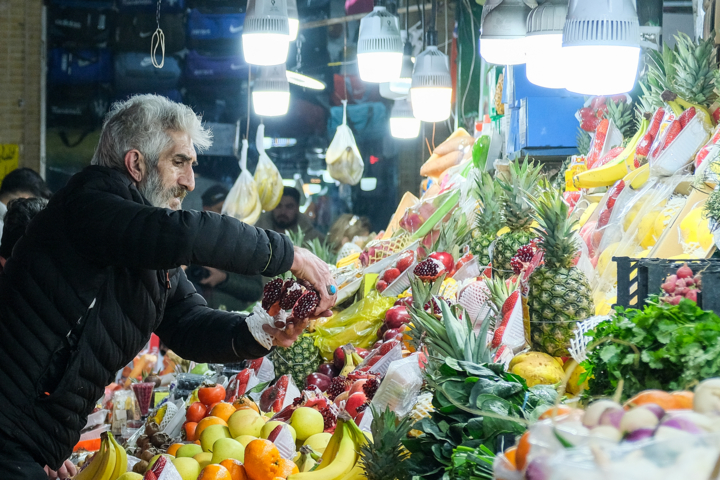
(77, 105)
(368, 120)
(79, 27)
(203, 68)
(215, 32)
(150, 6)
(79, 66)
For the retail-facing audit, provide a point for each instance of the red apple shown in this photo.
(319, 380)
(393, 334)
(357, 386)
(353, 402)
(328, 369)
(387, 346)
(447, 260)
(390, 275)
(381, 285)
(339, 358)
(397, 316)
(405, 261)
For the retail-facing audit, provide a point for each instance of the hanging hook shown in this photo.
(157, 41)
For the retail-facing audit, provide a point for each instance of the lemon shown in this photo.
(605, 259)
(690, 225)
(646, 229)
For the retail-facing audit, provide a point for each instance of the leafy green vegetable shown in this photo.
(668, 347)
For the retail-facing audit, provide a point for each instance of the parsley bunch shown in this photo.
(667, 347)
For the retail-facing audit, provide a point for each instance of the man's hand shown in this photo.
(308, 267)
(68, 470)
(286, 336)
(216, 277)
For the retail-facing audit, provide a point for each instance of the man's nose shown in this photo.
(187, 179)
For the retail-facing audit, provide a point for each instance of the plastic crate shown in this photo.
(633, 290)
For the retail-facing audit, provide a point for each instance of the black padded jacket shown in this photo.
(94, 275)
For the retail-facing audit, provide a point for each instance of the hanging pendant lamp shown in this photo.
(502, 37)
(379, 47)
(403, 123)
(266, 32)
(431, 90)
(293, 19)
(271, 92)
(546, 65)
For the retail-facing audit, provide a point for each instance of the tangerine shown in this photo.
(684, 399)
(659, 397)
(172, 449)
(236, 469)
(189, 428)
(262, 460)
(214, 472)
(555, 412)
(522, 451)
(244, 402)
(510, 455)
(286, 468)
(223, 410)
(206, 422)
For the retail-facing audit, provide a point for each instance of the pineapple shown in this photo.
(583, 141)
(522, 182)
(559, 292)
(489, 219)
(658, 78)
(621, 114)
(695, 68)
(385, 457)
(299, 360)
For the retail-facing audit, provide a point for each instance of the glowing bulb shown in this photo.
(546, 65)
(601, 69)
(431, 104)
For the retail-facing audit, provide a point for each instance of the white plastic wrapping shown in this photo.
(343, 157)
(267, 177)
(243, 201)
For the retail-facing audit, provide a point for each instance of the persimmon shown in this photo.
(236, 469)
(684, 399)
(245, 402)
(262, 460)
(553, 412)
(211, 394)
(172, 449)
(206, 422)
(510, 455)
(196, 412)
(523, 449)
(214, 472)
(667, 401)
(223, 410)
(189, 428)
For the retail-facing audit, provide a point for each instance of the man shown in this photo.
(287, 217)
(20, 183)
(223, 290)
(97, 272)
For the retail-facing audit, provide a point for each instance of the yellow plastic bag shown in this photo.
(357, 325)
(243, 201)
(267, 177)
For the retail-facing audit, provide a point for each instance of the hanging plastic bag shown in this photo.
(267, 177)
(343, 157)
(243, 201)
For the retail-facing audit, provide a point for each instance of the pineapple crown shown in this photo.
(501, 289)
(695, 69)
(490, 194)
(658, 78)
(621, 113)
(583, 140)
(522, 183)
(384, 457)
(555, 230)
(453, 233)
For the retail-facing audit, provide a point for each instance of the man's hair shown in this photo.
(142, 123)
(20, 212)
(293, 193)
(24, 180)
(215, 194)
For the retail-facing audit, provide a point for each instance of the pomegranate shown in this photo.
(447, 260)
(393, 334)
(319, 380)
(353, 402)
(339, 358)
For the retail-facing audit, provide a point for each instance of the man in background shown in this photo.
(21, 183)
(287, 217)
(223, 290)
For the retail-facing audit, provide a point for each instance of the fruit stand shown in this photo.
(478, 335)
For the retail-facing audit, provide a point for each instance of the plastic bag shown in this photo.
(679, 143)
(400, 387)
(243, 201)
(267, 177)
(343, 157)
(705, 167)
(357, 325)
(606, 138)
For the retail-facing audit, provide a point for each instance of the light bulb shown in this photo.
(402, 84)
(431, 91)
(403, 123)
(502, 38)
(379, 47)
(293, 22)
(546, 65)
(379, 67)
(271, 92)
(266, 32)
(503, 52)
(431, 104)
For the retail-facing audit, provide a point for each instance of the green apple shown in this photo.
(212, 434)
(188, 468)
(245, 439)
(154, 459)
(225, 448)
(189, 450)
(318, 442)
(131, 476)
(204, 459)
(270, 426)
(246, 422)
(307, 422)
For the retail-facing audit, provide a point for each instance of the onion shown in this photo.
(612, 417)
(683, 424)
(656, 409)
(606, 432)
(594, 410)
(537, 469)
(639, 434)
(638, 419)
(707, 396)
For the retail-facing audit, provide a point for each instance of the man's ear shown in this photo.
(135, 165)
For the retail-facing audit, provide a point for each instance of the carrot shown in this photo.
(434, 167)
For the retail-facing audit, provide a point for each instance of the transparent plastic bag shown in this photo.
(357, 325)
(267, 176)
(706, 159)
(343, 157)
(678, 145)
(243, 201)
(400, 387)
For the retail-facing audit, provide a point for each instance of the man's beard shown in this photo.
(157, 194)
(284, 222)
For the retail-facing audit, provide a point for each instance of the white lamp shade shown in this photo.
(266, 32)
(379, 47)
(509, 51)
(546, 64)
(431, 104)
(294, 25)
(601, 70)
(403, 123)
(502, 38)
(402, 84)
(271, 92)
(431, 91)
(368, 184)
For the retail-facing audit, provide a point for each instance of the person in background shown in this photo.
(349, 228)
(287, 217)
(221, 289)
(21, 183)
(19, 213)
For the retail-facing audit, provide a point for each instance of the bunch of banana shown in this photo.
(108, 463)
(269, 184)
(616, 169)
(679, 105)
(339, 461)
(349, 260)
(352, 360)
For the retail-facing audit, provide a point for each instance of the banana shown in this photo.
(637, 178)
(121, 458)
(685, 104)
(356, 473)
(90, 472)
(343, 462)
(616, 169)
(350, 259)
(332, 447)
(349, 363)
(675, 106)
(108, 463)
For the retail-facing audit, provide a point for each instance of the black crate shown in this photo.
(651, 274)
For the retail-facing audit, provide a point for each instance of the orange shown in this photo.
(206, 422)
(190, 431)
(236, 469)
(553, 412)
(523, 448)
(214, 472)
(172, 449)
(684, 399)
(197, 442)
(262, 460)
(286, 468)
(222, 410)
(244, 402)
(510, 454)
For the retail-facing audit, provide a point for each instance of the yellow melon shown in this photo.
(646, 229)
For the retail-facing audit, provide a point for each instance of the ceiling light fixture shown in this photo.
(403, 123)
(293, 19)
(545, 61)
(266, 32)
(502, 37)
(431, 91)
(304, 81)
(402, 84)
(271, 92)
(601, 44)
(379, 46)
